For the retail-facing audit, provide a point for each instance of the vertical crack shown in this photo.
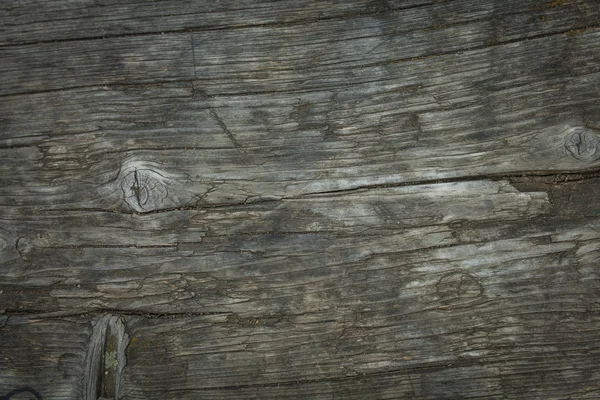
(136, 187)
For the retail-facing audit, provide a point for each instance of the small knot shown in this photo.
(143, 189)
(458, 288)
(583, 144)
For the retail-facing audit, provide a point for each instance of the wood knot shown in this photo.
(583, 144)
(144, 189)
(458, 288)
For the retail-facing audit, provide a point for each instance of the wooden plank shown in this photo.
(461, 350)
(45, 355)
(177, 260)
(36, 20)
(494, 297)
(62, 358)
(286, 147)
(338, 53)
(498, 113)
(256, 58)
(283, 257)
(63, 65)
(475, 355)
(234, 150)
(513, 354)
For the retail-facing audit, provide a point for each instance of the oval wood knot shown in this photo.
(458, 287)
(144, 189)
(583, 144)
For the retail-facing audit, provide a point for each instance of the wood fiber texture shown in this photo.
(300, 199)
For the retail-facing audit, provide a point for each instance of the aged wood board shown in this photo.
(388, 199)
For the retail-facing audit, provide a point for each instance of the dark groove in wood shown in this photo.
(366, 65)
(43, 314)
(554, 176)
(299, 22)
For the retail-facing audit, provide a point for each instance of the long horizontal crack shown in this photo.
(555, 177)
(139, 85)
(43, 314)
(113, 246)
(276, 24)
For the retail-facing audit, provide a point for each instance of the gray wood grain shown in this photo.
(300, 199)
(390, 109)
(63, 65)
(37, 20)
(505, 307)
(274, 57)
(282, 257)
(327, 54)
(470, 355)
(63, 358)
(193, 152)
(47, 355)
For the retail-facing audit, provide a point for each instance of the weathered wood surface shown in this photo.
(269, 256)
(311, 54)
(46, 354)
(461, 115)
(308, 199)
